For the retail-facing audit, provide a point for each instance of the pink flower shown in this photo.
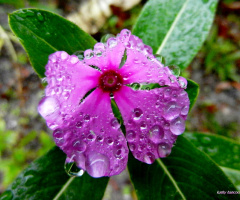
(85, 127)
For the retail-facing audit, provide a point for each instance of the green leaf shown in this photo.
(193, 91)
(175, 29)
(187, 173)
(46, 178)
(224, 151)
(42, 33)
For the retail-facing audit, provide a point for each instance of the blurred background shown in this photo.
(23, 133)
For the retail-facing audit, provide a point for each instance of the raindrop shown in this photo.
(185, 110)
(106, 37)
(137, 113)
(125, 34)
(112, 42)
(182, 82)
(40, 17)
(109, 141)
(100, 138)
(164, 150)
(114, 123)
(160, 58)
(119, 152)
(86, 118)
(143, 125)
(79, 54)
(79, 146)
(88, 54)
(97, 164)
(136, 86)
(91, 136)
(156, 133)
(64, 55)
(132, 147)
(175, 70)
(177, 126)
(48, 107)
(72, 169)
(149, 158)
(79, 124)
(171, 110)
(131, 136)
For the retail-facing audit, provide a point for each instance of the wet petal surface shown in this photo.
(153, 119)
(94, 139)
(68, 81)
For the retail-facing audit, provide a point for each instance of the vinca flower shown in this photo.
(77, 105)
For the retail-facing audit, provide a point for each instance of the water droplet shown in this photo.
(175, 70)
(79, 124)
(79, 146)
(149, 158)
(74, 59)
(132, 147)
(124, 35)
(114, 123)
(205, 140)
(100, 138)
(160, 58)
(131, 136)
(136, 86)
(109, 141)
(177, 126)
(137, 113)
(48, 107)
(156, 133)
(64, 55)
(91, 136)
(185, 110)
(97, 164)
(40, 17)
(106, 37)
(88, 54)
(72, 169)
(182, 82)
(164, 150)
(119, 152)
(171, 110)
(143, 125)
(112, 42)
(86, 118)
(29, 13)
(161, 82)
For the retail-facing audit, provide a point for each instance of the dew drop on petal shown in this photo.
(88, 54)
(136, 86)
(143, 125)
(160, 58)
(72, 169)
(171, 110)
(182, 82)
(175, 70)
(177, 126)
(137, 113)
(131, 136)
(112, 42)
(64, 55)
(48, 107)
(149, 158)
(97, 164)
(79, 146)
(156, 133)
(164, 150)
(86, 118)
(79, 54)
(109, 141)
(91, 136)
(106, 37)
(185, 110)
(114, 123)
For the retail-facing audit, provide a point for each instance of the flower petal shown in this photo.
(94, 139)
(153, 119)
(68, 81)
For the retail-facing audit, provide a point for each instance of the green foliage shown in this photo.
(45, 178)
(225, 152)
(221, 56)
(175, 29)
(42, 33)
(186, 174)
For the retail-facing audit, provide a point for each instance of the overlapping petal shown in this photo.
(93, 138)
(68, 81)
(153, 119)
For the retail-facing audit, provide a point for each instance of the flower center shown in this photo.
(110, 81)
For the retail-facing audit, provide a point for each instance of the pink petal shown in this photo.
(94, 139)
(153, 119)
(106, 56)
(68, 81)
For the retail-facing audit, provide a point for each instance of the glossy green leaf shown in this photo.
(187, 173)
(175, 29)
(46, 178)
(224, 151)
(42, 33)
(193, 91)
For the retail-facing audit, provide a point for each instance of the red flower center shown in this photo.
(110, 81)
